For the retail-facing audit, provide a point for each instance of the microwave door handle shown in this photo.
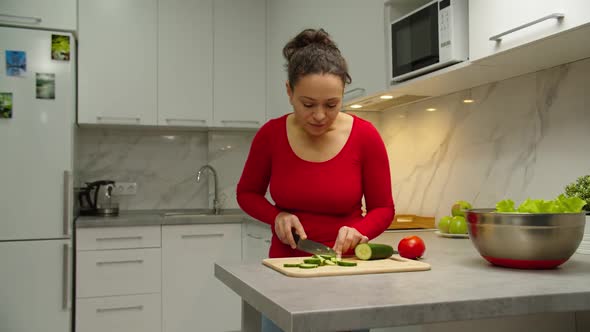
(497, 38)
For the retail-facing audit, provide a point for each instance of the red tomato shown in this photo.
(411, 247)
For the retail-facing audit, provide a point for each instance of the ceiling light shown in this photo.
(468, 101)
(431, 109)
(386, 97)
(356, 106)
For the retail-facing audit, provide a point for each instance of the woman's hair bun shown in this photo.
(319, 38)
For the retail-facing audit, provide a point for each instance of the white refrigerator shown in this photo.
(37, 122)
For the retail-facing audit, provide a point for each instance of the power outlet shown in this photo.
(125, 188)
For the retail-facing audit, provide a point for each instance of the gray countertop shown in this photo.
(163, 217)
(460, 286)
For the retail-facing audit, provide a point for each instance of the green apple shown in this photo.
(458, 225)
(443, 224)
(459, 208)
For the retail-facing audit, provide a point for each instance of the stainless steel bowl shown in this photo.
(523, 240)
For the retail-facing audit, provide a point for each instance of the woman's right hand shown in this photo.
(284, 224)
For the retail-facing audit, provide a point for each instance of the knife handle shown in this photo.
(295, 235)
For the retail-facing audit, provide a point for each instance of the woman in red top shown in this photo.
(317, 161)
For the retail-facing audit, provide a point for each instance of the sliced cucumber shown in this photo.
(369, 251)
(307, 266)
(329, 262)
(326, 256)
(291, 265)
(346, 263)
(315, 261)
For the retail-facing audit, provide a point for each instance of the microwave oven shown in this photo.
(429, 38)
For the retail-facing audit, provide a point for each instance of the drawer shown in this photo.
(118, 237)
(118, 272)
(410, 221)
(119, 314)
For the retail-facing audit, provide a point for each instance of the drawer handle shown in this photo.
(172, 120)
(498, 37)
(240, 121)
(20, 19)
(131, 261)
(188, 236)
(119, 238)
(257, 237)
(135, 307)
(132, 119)
(405, 219)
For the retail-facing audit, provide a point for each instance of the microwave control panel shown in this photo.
(444, 23)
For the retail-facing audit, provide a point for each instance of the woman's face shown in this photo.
(316, 100)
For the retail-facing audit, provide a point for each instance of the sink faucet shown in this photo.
(216, 208)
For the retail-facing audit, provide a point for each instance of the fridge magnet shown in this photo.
(5, 105)
(16, 63)
(60, 47)
(45, 86)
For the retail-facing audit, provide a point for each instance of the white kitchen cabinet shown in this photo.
(132, 313)
(239, 87)
(118, 279)
(117, 80)
(490, 18)
(256, 237)
(191, 295)
(357, 27)
(52, 15)
(185, 63)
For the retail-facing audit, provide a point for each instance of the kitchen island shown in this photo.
(461, 286)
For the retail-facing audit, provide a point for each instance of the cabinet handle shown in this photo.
(66, 278)
(267, 241)
(103, 119)
(20, 19)
(67, 205)
(170, 120)
(188, 236)
(135, 307)
(257, 237)
(131, 261)
(98, 239)
(240, 121)
(498, 37)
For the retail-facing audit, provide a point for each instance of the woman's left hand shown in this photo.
(347, 239)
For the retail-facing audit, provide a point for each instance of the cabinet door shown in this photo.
(191, 295)
(36, 286)
(133, 313)
(185, 63)
(357, 27)
(240, 60)
(117, 62)
(490, 18)
(56, 14)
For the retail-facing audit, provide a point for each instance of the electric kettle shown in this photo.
(96, 199)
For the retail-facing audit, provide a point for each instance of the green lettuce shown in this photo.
(561, 204)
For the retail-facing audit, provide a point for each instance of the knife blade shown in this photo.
(312, 247)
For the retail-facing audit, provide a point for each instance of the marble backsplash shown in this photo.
(522, 137)
(164, 164)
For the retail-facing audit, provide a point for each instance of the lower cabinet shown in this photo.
(128, 313)
(192, 298)
(256, 237)
(118, 279)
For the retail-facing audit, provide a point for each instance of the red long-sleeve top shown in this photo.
(323, 195)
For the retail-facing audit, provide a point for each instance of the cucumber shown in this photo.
(291, 265)
(346, 263)
(315, 261)
(370, 251)
(307, 266)
(326, 256)
(329, 262)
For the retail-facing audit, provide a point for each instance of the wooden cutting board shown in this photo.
(393, 264)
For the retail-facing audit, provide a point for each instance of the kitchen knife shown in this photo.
(312, 247)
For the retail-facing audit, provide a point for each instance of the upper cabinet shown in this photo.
(357, 27)
(55, 15)
(500, 25)
(239, 81)
(185, 58)
(117, 62)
